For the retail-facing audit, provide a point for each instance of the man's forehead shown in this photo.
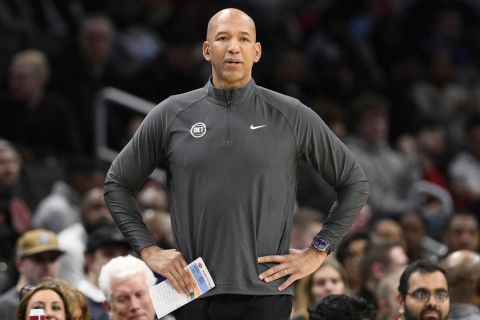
(429, 280)
(226, 20)
(8, 154)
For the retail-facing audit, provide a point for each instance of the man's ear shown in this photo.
(206, 50)
(401, 303)
(19, 264)
(377, 270)
(108, 307)
(258, 51)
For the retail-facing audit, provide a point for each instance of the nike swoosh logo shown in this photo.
(257, 127)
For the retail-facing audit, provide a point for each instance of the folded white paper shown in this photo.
(166, 299)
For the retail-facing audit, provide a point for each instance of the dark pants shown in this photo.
(237, 307)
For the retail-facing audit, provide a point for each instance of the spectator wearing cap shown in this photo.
(103, 244)
(37, 253)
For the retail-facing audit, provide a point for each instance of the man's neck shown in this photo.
(92, 277)
(22, 282)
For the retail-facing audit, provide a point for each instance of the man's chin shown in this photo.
(425, 315)
(139, 317)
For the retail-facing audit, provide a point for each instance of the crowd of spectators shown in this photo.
(397, 81)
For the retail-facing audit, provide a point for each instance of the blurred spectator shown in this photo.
(15, 218)
(362, 222)
(330, 278)
(423, 292)
(153, 196)
(386, 294)
(49, 295)
(442, 97)
(333, 115)
(425, 149)
(330, 60)
(61, 208)
(40, 122)
(159, 224)
(388, 172)
(287, 74)
(103, 244)
(37, 257)
(379, 260)
(343, 307)
(306, 224)
(449, 33)
(80, 72)
(464, 170)
(461, 231)
(349, 253)
(415, 231)
(386, 229)
(176, 69)
(76, 302)
(44, 25)
(418, 244)
(136, 43)
(463, 276)
(125, 282)
(312, 190)
(94, 214)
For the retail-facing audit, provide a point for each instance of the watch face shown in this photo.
(320, 243)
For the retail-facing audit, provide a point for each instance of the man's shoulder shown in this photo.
(183, 100)
(276, 98)
(9, 302)
(292, 108)
(75, 231)
(9, 297)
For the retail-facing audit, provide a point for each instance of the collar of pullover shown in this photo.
(227, 97)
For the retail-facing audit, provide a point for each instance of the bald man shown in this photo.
(463, 276)
(231, 151)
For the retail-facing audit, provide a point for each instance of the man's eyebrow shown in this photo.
(243, 33)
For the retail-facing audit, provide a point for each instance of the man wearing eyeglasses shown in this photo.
(423, 292)
(37, 253)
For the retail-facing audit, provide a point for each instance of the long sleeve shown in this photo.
(337, 165)
(128, 173)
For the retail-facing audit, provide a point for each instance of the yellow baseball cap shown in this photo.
(37, 241)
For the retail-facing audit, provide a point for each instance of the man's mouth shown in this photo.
(431, 314)
(233, 62)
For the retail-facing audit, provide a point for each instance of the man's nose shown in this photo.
(233, 45)
(135, 303)
(432, 301)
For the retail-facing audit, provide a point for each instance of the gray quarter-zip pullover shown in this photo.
(231, 158)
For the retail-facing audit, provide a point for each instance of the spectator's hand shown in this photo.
(295, 265)
(170, 264)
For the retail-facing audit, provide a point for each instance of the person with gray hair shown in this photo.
(125, 282)
(39, 121)
(463, 277)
